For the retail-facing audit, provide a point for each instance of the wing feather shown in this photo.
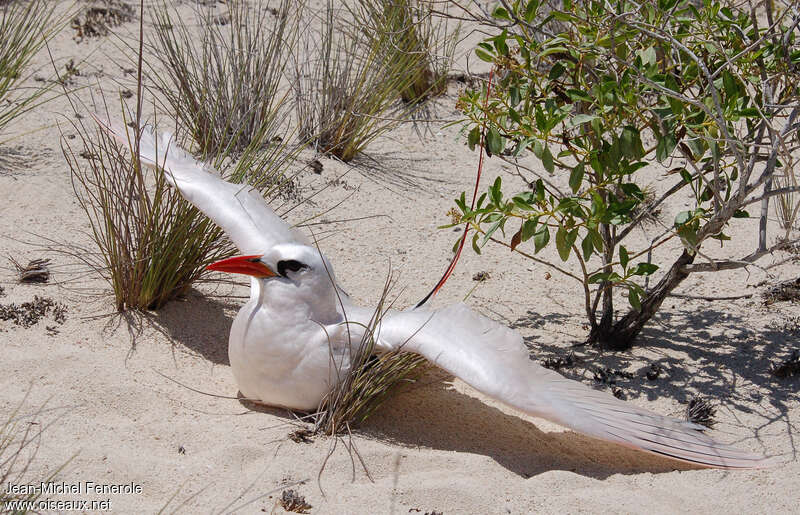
(238, 209)
(493, 359)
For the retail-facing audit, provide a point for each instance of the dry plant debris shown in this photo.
(96, 19)
(316, 165)
(28, 314)
(302, 435)
(291, 501)
(608, 376)
(783, 291)
(557, 362)
(788, 368)
(653, 372)
(481, 276)
(701, 411)
(35, 272)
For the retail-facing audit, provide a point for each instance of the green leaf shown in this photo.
(500, 41)
(633, 298)
(501, 14)
(556, 71)
(587, 247)
(632, 190)
(644, 269)
(539, 190)
(484, 55)
(741, 213)
(561, 243)
(473, 138)
(494, 141)
(496, 192)
(547, 160)
(599, 277)
(475, 246)
(576, 178)
(631, 143)
(623, 257)
(666, 144)
(531, 10)
(578, 95)
(683, 217)
(582, 118)
(529, 228)
(648, 56)
(540, 238)
(491, 231)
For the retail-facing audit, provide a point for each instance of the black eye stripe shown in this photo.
(289, 265)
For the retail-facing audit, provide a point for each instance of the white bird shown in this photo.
(292, 340)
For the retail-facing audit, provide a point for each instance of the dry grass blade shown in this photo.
(347, 91)
(225, 90)
(20, 436)
(24, 29)
(366, 380)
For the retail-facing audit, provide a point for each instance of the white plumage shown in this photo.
(288, 341)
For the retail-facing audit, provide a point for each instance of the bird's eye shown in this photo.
(289, 265)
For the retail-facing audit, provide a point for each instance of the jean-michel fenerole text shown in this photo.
(77, 488)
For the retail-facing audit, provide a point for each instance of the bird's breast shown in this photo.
(281, 358)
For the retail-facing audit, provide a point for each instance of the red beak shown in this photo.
(248, 265)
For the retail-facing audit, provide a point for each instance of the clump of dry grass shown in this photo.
(25, 27)
(225, 89)
(366, 380)
(411, 31)
(153, 244)
(347, 92)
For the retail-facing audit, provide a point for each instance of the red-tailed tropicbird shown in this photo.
(293, 338)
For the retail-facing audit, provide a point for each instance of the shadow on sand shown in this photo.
(732, 368)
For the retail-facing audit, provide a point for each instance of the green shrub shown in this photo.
(706, 94)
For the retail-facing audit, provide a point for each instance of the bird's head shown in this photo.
(297, 266)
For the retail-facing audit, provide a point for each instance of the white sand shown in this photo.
(116, 411)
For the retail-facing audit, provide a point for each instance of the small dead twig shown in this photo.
(36, 271)
(710, 298)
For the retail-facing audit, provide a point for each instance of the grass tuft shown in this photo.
(347, 91)
(410, 31)
(25, 27)
(153, 244)
(367, 381)
(225, 89)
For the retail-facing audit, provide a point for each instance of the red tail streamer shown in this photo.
(453, 262)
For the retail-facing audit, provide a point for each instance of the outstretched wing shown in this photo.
(492, 358)
(238, 209)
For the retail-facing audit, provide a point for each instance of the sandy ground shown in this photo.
(120, 400)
